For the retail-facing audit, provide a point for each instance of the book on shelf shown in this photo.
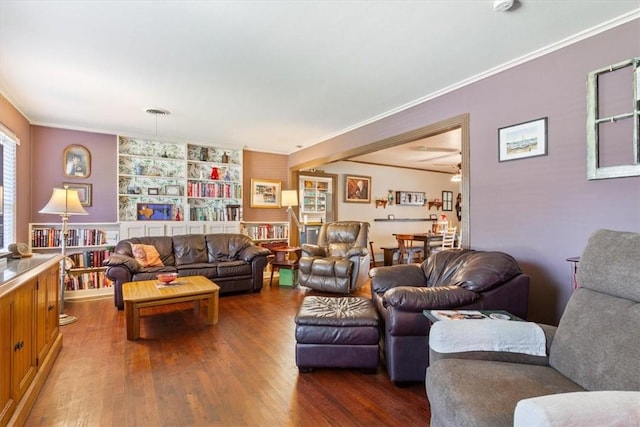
(51, 237)
(89, 259)
(87, 280)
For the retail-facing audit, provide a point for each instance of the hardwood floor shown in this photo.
(240, 372)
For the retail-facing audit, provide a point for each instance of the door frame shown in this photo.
(458, 122)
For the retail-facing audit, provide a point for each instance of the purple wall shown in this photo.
(48, 147)
(541, 210)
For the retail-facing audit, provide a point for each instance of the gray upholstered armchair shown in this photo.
(340, 261)
(589, 374)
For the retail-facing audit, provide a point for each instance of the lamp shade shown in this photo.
(64, 202)
(289, 198)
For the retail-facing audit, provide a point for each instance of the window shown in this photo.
(8, 142)
(613, 121)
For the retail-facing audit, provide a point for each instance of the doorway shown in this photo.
(460, 122)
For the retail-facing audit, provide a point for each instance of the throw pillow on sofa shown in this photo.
(146, 255)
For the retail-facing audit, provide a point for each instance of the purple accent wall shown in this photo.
(543, 209)
(48, 147)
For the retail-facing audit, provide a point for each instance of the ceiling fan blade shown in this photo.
(431, 159)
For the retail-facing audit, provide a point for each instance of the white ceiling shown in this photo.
(265, 75)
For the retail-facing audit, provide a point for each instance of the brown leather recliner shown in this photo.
(452, 279)
(340, 261)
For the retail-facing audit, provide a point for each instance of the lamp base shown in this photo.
(65, 319)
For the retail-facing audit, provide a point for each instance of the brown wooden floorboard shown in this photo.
(240, 372)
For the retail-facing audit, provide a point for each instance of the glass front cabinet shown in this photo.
(317, 201)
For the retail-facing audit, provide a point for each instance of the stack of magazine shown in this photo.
(458, 314)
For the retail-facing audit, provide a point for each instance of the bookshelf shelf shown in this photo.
(88, 244)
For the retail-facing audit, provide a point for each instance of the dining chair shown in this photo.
(406, 250)
(448, 240)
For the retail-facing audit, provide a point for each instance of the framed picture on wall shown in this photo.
(357, 189)
(265, 193)
(528, 139)
(76, 162)
(84, 192)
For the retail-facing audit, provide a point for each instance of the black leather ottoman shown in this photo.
(337, 332)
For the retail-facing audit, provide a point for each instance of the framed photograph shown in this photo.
(172, 190)
(357, 189)
(528, 139)
(76, 162)
(153, 211)
(265, 193)
(153, 191)
(84, 192)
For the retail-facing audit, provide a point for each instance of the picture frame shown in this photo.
(173, 190)
(153, 191)
(523, 140)
(84, 191)
(357, 189)
(76, 162)
(265, 193)
(411, 198)
(154, 211)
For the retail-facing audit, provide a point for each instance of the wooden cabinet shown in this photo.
(30, 338)
(47, 312)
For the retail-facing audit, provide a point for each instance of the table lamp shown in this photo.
(64, 202)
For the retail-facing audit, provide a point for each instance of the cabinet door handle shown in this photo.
(18, 345)
(51, 307)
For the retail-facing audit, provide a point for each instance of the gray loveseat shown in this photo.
(232, 261)
(590, 374)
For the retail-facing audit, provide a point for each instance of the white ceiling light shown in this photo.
(502, 5)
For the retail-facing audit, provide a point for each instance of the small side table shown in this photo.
(283, 259)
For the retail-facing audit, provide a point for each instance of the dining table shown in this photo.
(427, 238)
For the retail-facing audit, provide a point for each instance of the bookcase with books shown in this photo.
(87, 246)
(173, 187)
(267, 234)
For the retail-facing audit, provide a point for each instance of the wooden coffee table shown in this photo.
(147, 293)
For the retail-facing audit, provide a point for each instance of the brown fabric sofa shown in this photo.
(591, 368)
(451, 279)
(232, 261)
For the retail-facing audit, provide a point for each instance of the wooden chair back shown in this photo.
(406, 250)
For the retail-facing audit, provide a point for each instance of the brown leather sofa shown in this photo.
(452, 279)
(232, 261)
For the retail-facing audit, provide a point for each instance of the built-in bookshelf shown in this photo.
(266, 233)
(175, 181)
(86, 247)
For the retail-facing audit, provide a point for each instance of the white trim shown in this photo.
(9, 133)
